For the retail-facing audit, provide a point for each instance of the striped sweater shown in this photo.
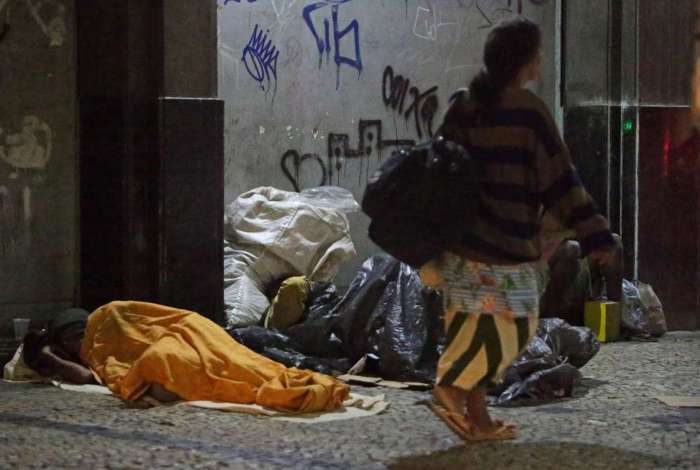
(526, 170)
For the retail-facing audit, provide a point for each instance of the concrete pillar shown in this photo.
(695, 85)
(148, 176)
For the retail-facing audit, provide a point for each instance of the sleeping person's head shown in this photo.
(66, 331)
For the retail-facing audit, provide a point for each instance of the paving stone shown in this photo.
(613, 421)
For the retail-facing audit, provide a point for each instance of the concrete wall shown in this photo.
(310, 79)
(38, 216)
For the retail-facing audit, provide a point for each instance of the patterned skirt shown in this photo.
(491, 313)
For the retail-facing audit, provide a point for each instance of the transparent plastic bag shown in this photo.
(642, 313)
(330, 197)
(653, 310)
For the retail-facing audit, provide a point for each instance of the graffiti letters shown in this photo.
(327, 40)
(283, 12)
(422, 106)
(292, 157)
(260, 59)
(428, 22)
(425, 25)
(339, 152)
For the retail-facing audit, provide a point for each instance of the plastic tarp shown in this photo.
(270, 233)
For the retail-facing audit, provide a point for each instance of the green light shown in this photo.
(628, 126)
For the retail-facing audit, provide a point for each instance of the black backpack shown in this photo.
(423, 200)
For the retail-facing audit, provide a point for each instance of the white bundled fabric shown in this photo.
(272, 234)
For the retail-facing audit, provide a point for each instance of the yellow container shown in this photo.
(603, 318)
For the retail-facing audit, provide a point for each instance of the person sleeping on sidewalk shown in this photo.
(135, 348)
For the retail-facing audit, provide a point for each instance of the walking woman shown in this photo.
(489, 282)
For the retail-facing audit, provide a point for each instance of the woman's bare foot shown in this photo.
(452, 398)
(480, 418)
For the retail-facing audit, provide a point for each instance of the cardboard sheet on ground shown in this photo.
(680, 402)
(378, 381)
(356, 406)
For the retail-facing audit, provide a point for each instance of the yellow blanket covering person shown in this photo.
(131, 345)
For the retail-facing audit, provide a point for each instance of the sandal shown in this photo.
(467, 431)
(454, 421)
(500, 433)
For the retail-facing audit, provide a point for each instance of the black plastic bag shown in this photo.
(576, 344)
(388, 312)
(314, 335)
(556, 382)
(548, 368)
(355, 318)
(279, 347)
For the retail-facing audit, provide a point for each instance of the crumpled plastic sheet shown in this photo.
(548, 368)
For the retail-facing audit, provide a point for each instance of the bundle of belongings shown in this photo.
(283, 249)
(272, 234)
(385, 316)
(392, 323)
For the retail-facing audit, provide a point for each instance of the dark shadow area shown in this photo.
(682, 417)
(540, 456)
(587, 385)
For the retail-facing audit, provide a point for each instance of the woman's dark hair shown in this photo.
(509, 47)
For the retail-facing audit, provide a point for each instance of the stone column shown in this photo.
(695, 86)
(151, 153)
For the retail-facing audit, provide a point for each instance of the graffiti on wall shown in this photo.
(49, 15)
(28, 149)
(370, 146)
(397, 94)
(495, 11)
(24, 155)
(260, 60)
(331, 37)
(429, 21)
(409, 101)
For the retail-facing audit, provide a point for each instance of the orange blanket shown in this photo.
(130, 345)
